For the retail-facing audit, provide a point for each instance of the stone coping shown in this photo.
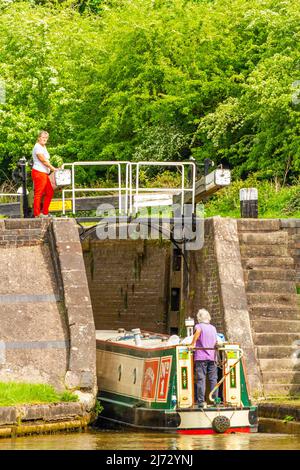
(14, 415)
(279, 411)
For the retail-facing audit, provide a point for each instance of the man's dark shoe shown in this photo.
(200, 405)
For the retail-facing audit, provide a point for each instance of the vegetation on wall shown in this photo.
(18, 393)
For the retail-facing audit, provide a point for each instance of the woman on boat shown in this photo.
(40, 176)
(205, 336)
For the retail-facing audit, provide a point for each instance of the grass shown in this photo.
(12, 393)
(274, 200)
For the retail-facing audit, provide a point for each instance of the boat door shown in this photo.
(185, 379)
(232, 386)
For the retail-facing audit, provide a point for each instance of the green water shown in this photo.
(119, 440)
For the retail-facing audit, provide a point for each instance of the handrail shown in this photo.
(181, 190)
(119, 188)
(225, 375)
(128, 187)
(232, 367)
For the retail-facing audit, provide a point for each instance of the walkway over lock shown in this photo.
(130, 195)
(136, 196)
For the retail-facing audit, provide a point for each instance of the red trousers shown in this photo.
(42, 187)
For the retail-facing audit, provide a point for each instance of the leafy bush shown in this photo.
(144, 79)
(274, 200)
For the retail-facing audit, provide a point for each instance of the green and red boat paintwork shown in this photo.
(150, 385)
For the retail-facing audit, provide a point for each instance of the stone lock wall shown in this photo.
(204, 279)
(71, 275)
(292, 227)
(270, 263)
(33, 332)
(47, 332)
(217, 284)
(54, 292)
(246, 275)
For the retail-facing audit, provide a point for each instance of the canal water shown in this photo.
(121, 440)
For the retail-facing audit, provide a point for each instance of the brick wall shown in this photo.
(204, 279)
(129, 283)
(23, 232)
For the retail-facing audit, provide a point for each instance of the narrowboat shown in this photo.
(145, 381)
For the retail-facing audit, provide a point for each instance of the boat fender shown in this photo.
(252, 416)
(221, 424)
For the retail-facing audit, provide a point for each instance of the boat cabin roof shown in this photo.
(148, 340)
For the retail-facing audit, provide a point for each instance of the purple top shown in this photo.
(207, 339)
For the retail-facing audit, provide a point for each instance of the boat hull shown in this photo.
(151, 387)
(190, 421)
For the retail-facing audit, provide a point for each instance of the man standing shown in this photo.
(205, 336)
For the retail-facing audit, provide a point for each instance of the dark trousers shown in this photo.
(203, 368)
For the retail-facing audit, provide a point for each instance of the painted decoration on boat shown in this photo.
(164, 378)
(150, 378)
(232, 387)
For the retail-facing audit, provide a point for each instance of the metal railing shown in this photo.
(220, 348)
(12, 195)
(179, 191)
(128, 188)
(228, 372)
(119, 189)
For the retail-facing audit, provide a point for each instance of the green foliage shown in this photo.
(97, 408)
(167, 179)
(288, 419)
(56, 160)
(12, 393)
(293, 400)
(67, 397)
(153, 79)
(274, 200)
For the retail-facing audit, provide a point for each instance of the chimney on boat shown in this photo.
(137, 336)
(189, 323)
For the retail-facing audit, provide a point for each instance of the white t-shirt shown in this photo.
(37, 164)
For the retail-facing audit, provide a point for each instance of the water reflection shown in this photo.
(120, 440)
